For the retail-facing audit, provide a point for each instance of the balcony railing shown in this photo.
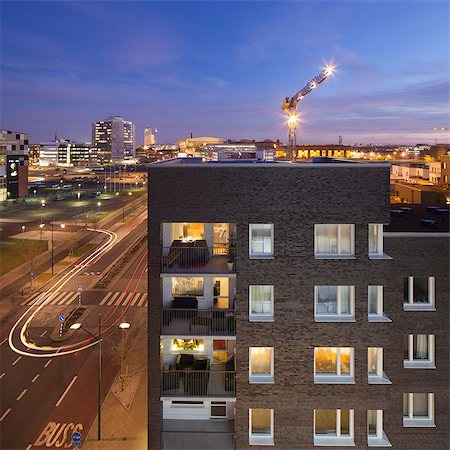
(196, 257)
(198, 322)
(198, 383)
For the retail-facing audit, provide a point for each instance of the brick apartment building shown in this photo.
(283, 316)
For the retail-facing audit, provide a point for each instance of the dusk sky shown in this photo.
(223, 68)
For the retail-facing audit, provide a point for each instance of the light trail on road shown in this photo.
(60, 284)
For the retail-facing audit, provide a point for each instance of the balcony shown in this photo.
(197, 257)
(198, 434)
(198, 383)
(198, 322)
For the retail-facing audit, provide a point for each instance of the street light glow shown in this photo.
(63, 226)
(124, 325)
(75, 326)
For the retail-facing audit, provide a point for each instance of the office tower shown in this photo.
(149, 137)
(114, 139)
(13, 164)
(283, 314)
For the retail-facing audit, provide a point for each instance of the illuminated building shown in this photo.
(149, 137)
(286, 314)
(14, 163)
(113, 139)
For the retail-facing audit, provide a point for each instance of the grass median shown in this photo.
(15, 252)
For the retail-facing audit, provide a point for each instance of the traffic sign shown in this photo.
(32, 274)
(80, 288)
(62, 318)
(76, 436)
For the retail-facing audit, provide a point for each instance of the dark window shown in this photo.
(22, 147)
(13, 146)
(25, 141)
(420, 290)
(406, 347)
(17, 136)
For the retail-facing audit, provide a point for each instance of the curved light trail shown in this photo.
(59, 285)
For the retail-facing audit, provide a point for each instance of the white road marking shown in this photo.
(43, 334)
(74, 296)
(5, 414)
(17, 360)
(29, 447)
(67, 390)
(134, 300)
(22, 394)
(48, 363)
(57, 298)
(128, 299)
(105, 299)
(142, 300)
(4, 340)
(120, 298)
(2, 375)
(36, 377)
(113, 298)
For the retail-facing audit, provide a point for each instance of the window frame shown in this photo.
(379, 316)
(252, 255)
(412, 421)
(380, 439)
(261, 317)
(338, 439)
(259, 378)
(429, 363)
(338, 378)
(409, 305)
(338, 254)
(380, 377)
(261, 439)
(335, 317)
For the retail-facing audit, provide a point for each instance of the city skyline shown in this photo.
(163, 72)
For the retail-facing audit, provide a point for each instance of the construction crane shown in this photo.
(290, 104)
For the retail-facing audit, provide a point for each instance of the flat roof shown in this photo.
(330, 162)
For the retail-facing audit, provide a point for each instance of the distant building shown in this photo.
(438, 150)
(440, 171)
(114, 139)
(411, 172)
(309, 151)
(48, 153)
(193, 144)
(76, 154)
(260, 151)
(149, 137)
(34, 152)
(13, 164)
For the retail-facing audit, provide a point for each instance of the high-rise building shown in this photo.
(13, 164)
(284, 314)
(149, 137)
(113, 139)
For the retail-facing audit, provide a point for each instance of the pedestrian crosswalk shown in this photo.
(106, 298)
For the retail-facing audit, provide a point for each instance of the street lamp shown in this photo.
(77, 326)
(41, 226)
(23, 228)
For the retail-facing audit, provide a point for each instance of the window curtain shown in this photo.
(187, 286)
(373, 299)
(261, 238)
(373, 238)
(420, 405)
(261, 299)
(421, 347)
(345, 239)
(372, 422)
(325, 421)
(261, 360)
(260, 421)
(345, 299)
(326, 300)
(326, 238)
(372, 358)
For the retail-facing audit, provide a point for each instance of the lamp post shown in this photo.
(77, 326)
(41, 226)
(23, 228)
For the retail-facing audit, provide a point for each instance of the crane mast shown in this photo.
(290, 104)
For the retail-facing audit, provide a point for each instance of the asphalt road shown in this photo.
(43, 400)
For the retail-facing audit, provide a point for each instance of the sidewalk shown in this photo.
(122, 429)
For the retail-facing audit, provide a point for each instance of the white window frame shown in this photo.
(430, 306)
(260, 378)
(412, 421)
(379, 254)
(337, 255)
(216, 404)
(252, 255)
(337, 440)
(380, 377)
(379, 316)
(338, 316)
(412, 363)
(260, 439)
(261, 317)
(380, 439)
(338, 378)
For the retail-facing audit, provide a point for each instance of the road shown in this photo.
(43, 400)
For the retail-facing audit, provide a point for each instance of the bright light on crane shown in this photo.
(290, 103)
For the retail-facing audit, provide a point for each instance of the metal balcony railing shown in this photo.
(196, 257)
(198, 383)
(198, 322)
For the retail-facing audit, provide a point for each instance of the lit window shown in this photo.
(261, 303)
(418, 410)
(334, 240)
(260, 426)
(187, 346)
(375, 371)
(334, 365)
(334, 427)
(419, 294)
(261, 240)
(261, 365)
(187, 286)
(375, 434)
(376, 241)
(419, 351)
(334, 303)
(375, 304)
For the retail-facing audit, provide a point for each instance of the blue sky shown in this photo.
(223, 68)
